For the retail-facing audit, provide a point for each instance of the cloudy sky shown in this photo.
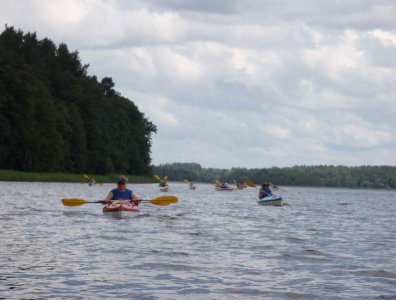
(240, 83)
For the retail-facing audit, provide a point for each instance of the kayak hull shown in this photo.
(228, 189)
(271, 200)
(164, 189)
(121, 209)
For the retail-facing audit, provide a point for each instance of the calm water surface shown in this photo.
(326, 244)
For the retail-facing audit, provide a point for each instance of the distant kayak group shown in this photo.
(164, 187)
(121, 202)
(226, 187)
(265, 196)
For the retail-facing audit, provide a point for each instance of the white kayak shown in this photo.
(164, 188)
(271, 200)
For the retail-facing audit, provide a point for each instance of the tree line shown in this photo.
(322, 175)
(54, 117)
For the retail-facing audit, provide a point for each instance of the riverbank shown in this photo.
(12, 175)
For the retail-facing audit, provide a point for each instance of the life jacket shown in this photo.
(118, 195)
(265, 193)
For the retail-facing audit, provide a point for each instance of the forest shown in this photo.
(324, 176)
(54, 117)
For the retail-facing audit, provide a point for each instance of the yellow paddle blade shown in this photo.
(163, 200)
(86, 176)
(73, 202)
(157, 177)
(217, 183)
(250, 183)
(186, 181)
(165, 178)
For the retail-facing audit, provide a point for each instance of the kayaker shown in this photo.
(224, 185)
(163, 183)
(265, 190)
(121, 192)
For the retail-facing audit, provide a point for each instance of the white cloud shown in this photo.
(364, 136)
(62, 13)
(386, 38)
(335, 60)
(158, 109)
(252, 84)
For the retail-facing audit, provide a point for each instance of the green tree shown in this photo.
(59, 118)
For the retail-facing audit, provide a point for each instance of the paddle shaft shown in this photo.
(161, 201)
(104, 202)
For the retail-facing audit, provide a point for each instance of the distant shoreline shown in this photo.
(22, 176)
(12, 175)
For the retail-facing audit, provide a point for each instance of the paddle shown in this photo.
(159, 178)
(217, 183)
(161, 201)
(251, 184)
(89, 180)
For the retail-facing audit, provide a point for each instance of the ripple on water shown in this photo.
(325, 245)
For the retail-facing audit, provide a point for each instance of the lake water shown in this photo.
(326, 244)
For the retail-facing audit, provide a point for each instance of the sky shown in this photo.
(240, 83)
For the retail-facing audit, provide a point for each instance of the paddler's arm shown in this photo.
(262, 194)
(134, 199)
(108, 198)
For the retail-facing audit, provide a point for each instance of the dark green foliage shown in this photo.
(331, 176)
(56, 118)
(12, 175)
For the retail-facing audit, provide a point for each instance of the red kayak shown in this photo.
(121, 208)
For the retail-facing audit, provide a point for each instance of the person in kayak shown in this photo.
(163, 184)
(121, 192)
(265, 190)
